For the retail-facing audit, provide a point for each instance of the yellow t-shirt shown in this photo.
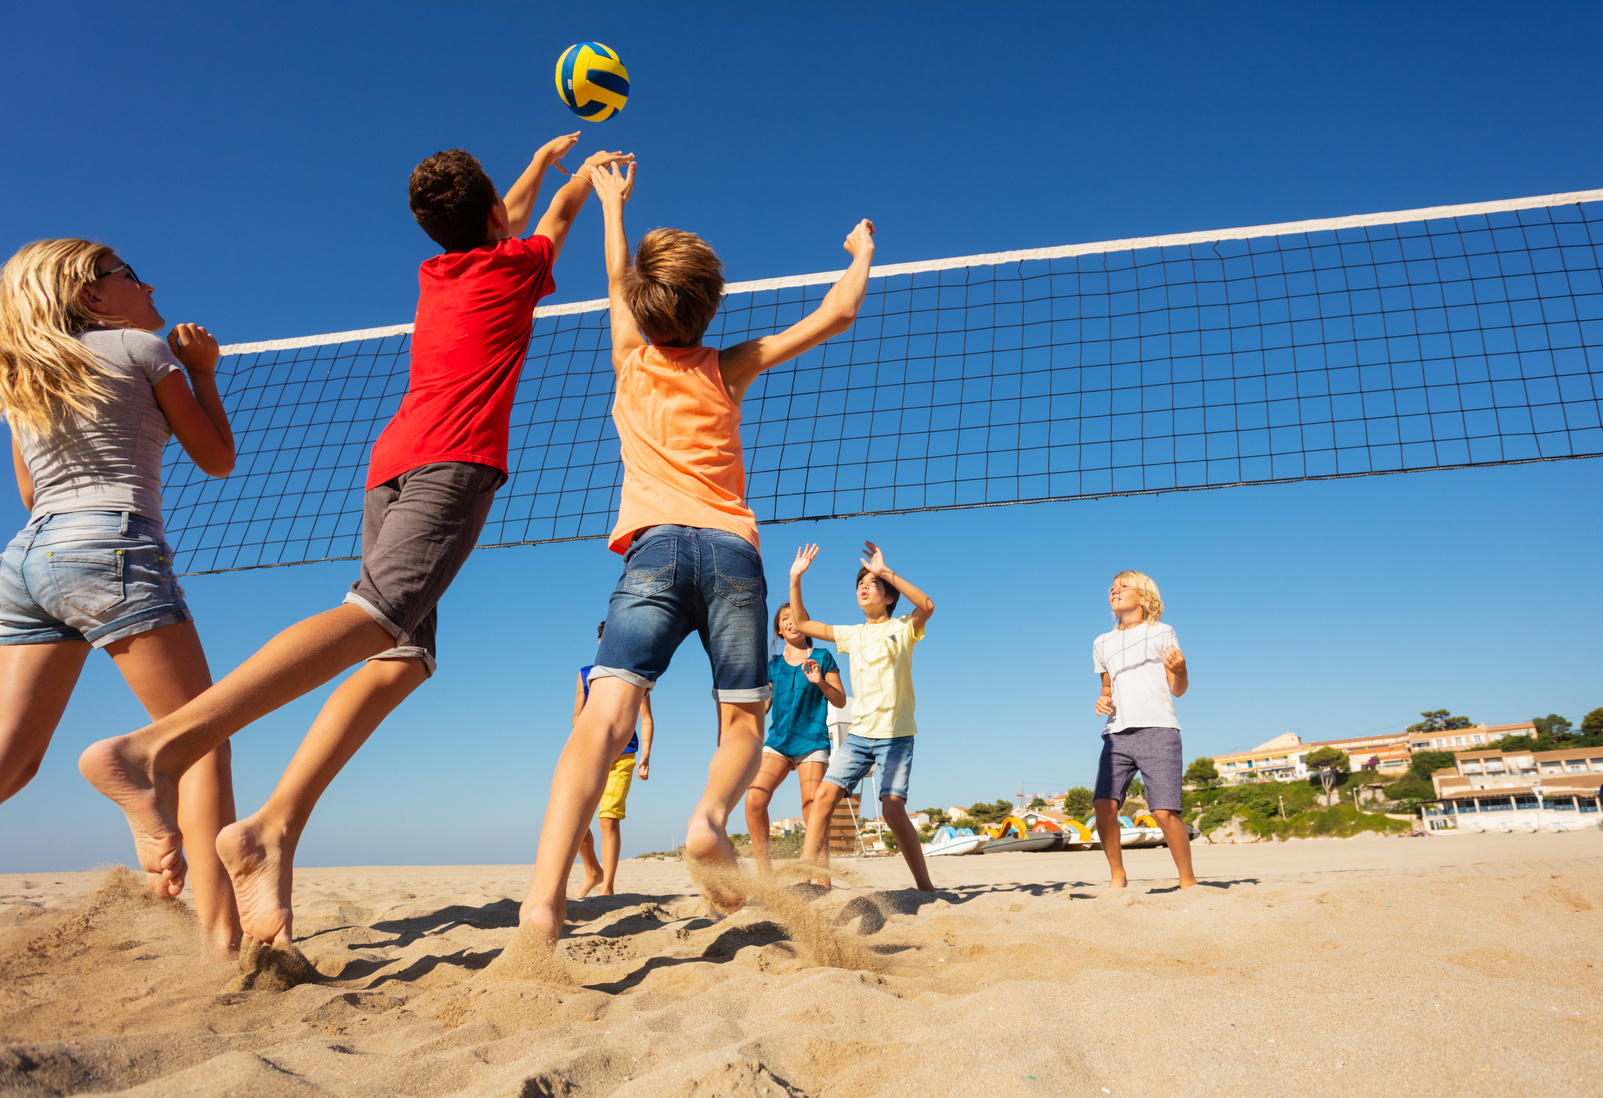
(882, 676)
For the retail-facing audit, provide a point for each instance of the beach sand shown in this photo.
(1450, 965)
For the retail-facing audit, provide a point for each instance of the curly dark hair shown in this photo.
(451, 198)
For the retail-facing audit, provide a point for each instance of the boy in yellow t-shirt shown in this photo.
(881, 651)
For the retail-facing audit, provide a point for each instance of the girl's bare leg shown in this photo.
(1107, 829)
(166, 668)
(770, 776)
(259, 851)
(810, 775)
(36, 682)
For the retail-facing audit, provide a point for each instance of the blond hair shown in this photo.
(1147, 588)
(674, 287)
(44, 371)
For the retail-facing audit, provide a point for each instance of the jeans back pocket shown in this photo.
(649, 569)
(738, 573)
(90, 580)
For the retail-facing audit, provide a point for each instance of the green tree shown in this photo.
(990, 813)
(1202, 771)
(1138, 788)
(1437, 720)
(1077, 802)
(1037, 803)
(1426, 763)
(890, 842)
(1592, 723)
(1330, 763)
(1552, 727)
(938, 817)
(1411, 789)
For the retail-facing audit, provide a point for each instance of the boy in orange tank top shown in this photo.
(691, 559)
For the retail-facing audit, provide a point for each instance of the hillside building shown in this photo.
(1517, 790)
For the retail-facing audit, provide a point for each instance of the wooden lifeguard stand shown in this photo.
(844, 835)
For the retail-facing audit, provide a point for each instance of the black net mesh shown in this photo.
(1379, 349)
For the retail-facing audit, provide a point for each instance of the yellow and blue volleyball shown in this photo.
(592, 81)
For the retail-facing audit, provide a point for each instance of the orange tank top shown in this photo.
(680, 437)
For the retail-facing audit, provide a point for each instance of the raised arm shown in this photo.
(197, 417)
(798, 613)
(613, 191)
(923, 605)
(521, 195)
(24, 481)
(569, 200)
(741, 363)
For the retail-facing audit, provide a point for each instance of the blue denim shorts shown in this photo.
(682, 579)
(851, 761)
(96, 576)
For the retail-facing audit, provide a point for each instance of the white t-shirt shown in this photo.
(1133, 660)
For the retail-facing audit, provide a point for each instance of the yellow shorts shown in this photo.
(619, 778)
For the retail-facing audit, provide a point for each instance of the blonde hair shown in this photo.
(44, 371)
(674, 287)
(1147, 588)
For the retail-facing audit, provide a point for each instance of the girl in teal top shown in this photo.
(806, 682)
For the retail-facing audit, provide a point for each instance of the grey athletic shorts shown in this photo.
(1153, 751)
(417, 531)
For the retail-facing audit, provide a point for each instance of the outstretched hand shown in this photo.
(558, 147)
(195, 347)
(596, 160)
(611, 186)
(804, 558)
(875, 561)
(860, 241)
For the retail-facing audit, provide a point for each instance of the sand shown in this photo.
(1443, 966)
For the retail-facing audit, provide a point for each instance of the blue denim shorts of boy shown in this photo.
(850, 763)
(683, 579)
(96, 576)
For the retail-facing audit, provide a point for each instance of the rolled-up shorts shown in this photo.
(679, 580)
(417, 531)
(96, 576)
(615, 798)
(856, 755)
(1155, 752)
(819, 756)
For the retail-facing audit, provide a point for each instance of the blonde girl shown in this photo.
(91, 397)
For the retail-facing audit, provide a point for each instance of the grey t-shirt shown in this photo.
(113, 461)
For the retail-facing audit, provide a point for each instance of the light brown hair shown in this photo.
(44, 371)
(674, 288)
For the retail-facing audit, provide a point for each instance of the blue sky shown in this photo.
(252, 164)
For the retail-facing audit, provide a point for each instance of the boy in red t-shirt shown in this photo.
(433, 475)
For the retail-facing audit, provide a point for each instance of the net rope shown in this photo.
(1384, 343)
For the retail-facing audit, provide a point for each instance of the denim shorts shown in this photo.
(856, 755)
(96, 576)
(683, 579)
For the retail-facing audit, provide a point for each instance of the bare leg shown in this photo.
(895, 809)
(611, 844)
(1174, 831)
(815, 845)
(36, 682)
(729, 775)
(140, 771)
(601, 732)
(592, 867)
(770, 776)
(1108, 830)
(259, 851)
(166, 668)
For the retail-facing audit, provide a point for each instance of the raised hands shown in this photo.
(558, 147)
(588, 170)
(860, 241)
(804, 559)
(611, 186)
(195, 347)
(875, 560)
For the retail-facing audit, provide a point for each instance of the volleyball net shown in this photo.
(1426, 339)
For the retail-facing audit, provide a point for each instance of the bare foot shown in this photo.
(260, 865)
(220, 948)
(707, 844)
(151, 804)
(1119, 881)
(542, 921)
(607, 890)
(585, 887)
(1188, 882)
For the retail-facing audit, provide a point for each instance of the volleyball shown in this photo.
(592, 81)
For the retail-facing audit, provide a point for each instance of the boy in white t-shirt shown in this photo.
(1142, 673)
(881, 651)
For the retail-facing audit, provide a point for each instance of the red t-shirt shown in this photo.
(475, 313)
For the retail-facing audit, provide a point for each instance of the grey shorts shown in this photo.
(1155, 752)
(417, 532)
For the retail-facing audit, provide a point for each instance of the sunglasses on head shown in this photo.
(118, 270)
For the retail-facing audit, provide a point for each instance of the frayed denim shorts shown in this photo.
(857, 755)
(679, 580)
(96, 576)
